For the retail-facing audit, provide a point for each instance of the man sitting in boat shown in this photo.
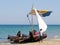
(33, 35)
(19, 34)
(19, 37)
(38, 35)
(15, 38)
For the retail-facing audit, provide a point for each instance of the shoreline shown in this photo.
(55, 41)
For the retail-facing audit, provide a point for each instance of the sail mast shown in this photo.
(32, 24)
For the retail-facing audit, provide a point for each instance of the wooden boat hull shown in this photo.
(25, 39)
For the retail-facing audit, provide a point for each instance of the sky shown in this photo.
(15, 11)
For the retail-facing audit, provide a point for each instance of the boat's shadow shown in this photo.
(23, 42)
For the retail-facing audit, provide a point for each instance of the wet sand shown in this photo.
(44, 42)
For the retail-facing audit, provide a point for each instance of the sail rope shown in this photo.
(28, 18)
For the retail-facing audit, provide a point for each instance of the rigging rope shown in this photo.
(28, 18)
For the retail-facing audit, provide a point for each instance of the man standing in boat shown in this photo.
(40, 34)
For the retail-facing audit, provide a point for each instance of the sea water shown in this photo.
(53, 31)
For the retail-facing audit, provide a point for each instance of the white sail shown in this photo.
(41, 23)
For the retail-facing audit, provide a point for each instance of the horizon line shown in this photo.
(27, 24)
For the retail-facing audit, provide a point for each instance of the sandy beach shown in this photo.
(44, 42)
